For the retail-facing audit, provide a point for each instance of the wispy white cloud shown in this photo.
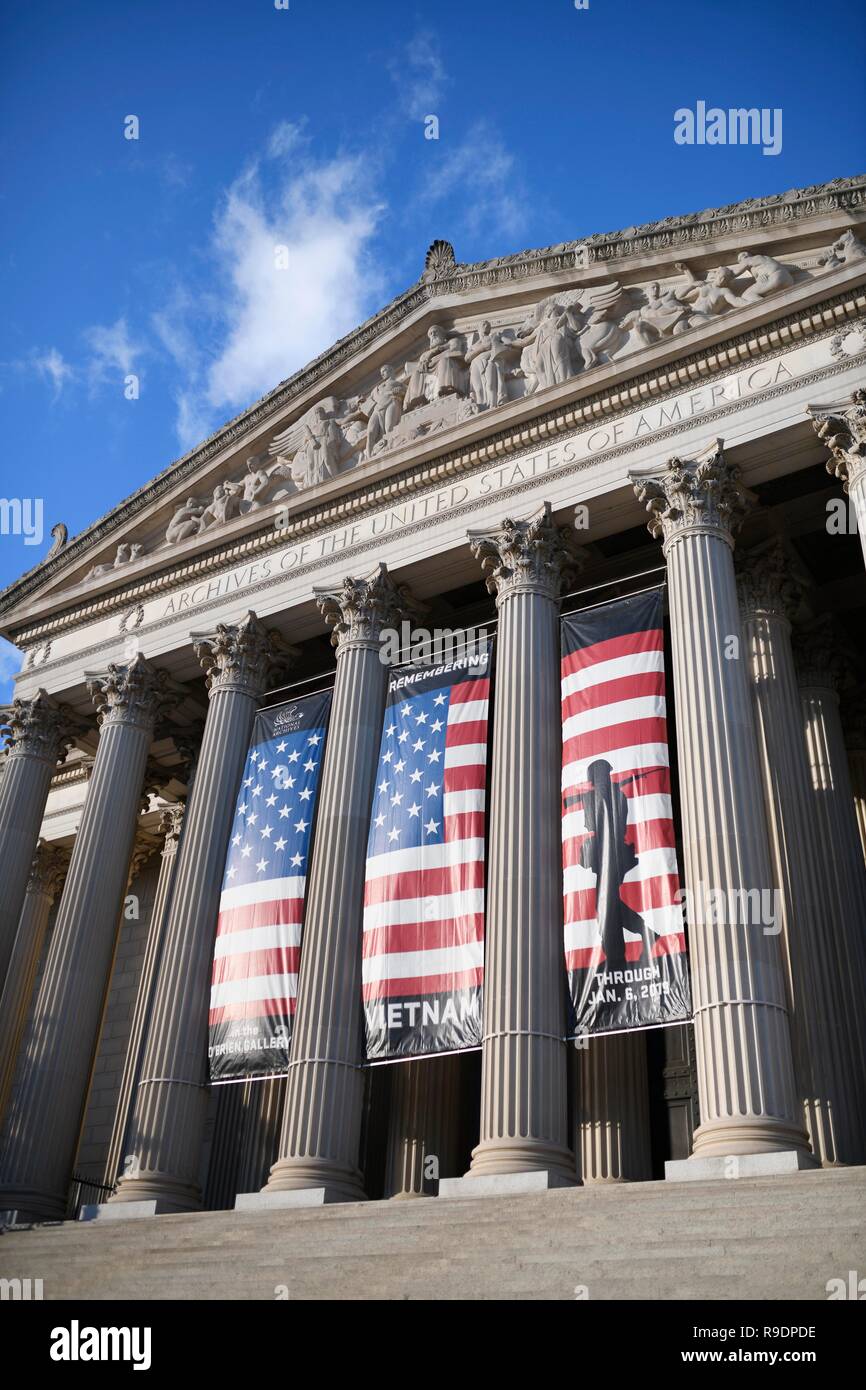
(113, 353)
(480, 167)
(52, 366)
(419, 75)
(289, 270)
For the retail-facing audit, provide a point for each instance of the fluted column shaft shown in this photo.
(45, 1115)
(829, 1080)
(171, 825)
(263, 1107)
(523, 1070)
(746, 1082)
(857, 771)
(611, 1110)
(46, 876)
(37, 732)
(422, 1126)
(320, 1139)
(833, 826)
(165, 1135)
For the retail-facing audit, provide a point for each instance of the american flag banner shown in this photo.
(625, 946)
(261, 912)
(423, 944)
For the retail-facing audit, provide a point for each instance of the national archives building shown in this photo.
(681, 404)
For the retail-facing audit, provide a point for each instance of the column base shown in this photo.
(497, 1157)
(266, 1200)
(744, 1134)
(756, 1165)
(126, 1211)
(292, 1175)
(504, 1184)
(158, 1191)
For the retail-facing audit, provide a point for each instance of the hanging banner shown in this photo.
(423, 947)
(625, 946)
(258, 940)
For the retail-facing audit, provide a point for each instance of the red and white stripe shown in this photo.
(257, 950)
(613, 707)
(424, 907)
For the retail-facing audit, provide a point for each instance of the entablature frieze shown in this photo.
(567, 320)
(277, 562)
(836, 320)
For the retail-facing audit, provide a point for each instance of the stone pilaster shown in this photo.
(38, 732)
(46, 1109)
(611, 1110)
(46, 877)
(320, 1139)
(821, 670)
(165, 1135)
(746, 1083)
(422, 1126)
(171, 823)
(826, 1074)
(843, 429)
(523, 1076)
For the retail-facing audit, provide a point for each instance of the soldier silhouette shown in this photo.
(610, 856)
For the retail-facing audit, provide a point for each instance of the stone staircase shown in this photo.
(761, 1238)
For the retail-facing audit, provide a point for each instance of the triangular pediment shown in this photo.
(467, 351)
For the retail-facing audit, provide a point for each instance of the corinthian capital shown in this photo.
(134, 693)
(825, 656)
(243, 656)
(767, 582)
(843, 429)
(39, 727)
(359, 611)
(535, 556)
(702, 496)
(170, 826)
(48, 869)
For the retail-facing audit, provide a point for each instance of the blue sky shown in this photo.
(304, 127)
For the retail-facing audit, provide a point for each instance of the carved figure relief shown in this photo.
(461, 371)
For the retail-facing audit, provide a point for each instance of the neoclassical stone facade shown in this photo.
(685, 402)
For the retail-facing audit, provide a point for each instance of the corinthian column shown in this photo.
(611, 1112)
(422, 1126)
(828, 1077)
(319, 1143)
(833, 825)
(843, 429)
(37, 732)
(165, 1136)
(171, 822)
(46, 1110)
(524, 1128)
(748, 1099)
(46, 876)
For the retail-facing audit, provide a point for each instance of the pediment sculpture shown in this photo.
(459, 372)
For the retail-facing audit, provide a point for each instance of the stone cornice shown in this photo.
(678, 233)
(605, 404)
